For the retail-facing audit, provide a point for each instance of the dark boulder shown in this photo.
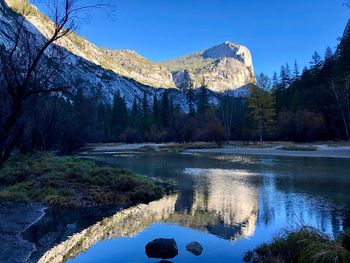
(195, 248)
(162, 248)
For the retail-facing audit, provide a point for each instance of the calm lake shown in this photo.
(228, 203)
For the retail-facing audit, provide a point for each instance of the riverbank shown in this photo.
(316, 150)
(32, 185)
(72, 182)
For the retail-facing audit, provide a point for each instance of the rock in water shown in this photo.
(162, 248)
(195, 248)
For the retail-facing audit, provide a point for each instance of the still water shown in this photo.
(228, 203)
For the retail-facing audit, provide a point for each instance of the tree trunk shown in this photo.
(341, 111)
(261, 129)
(11, 132)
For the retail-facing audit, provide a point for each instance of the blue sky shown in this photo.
(275, 31)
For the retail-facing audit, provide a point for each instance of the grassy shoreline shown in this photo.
(72, 182)
(304, 245)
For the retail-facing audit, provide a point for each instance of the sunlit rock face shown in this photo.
(123, 224)
(225, 67)
(222, 68)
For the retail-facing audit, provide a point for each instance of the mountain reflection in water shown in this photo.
(221, 205)
(229, 203)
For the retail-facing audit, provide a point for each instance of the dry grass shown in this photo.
(72, 182)
(305, 245)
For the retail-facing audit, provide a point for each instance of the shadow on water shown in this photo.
(58, 224)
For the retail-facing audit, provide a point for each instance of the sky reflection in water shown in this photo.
(229, 204)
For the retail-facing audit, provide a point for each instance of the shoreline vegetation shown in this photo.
(304, 245)
(72, 182)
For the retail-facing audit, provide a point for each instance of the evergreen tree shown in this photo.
(305, 69)
(316, 61)
(261, 106)
(135, 116)
(284, 77)
(156, 118)
(119, 118)
(145, 113)
(203, 101)
(288, 75)
(264, 82)
(165, 118)
(190, 97)
(275, 81)
(296, 71)
(328, 54)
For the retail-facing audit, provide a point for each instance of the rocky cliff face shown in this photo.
(226, 67)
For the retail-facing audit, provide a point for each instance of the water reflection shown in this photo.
(223, 204)
(242, 199)
(125, 223)
(224, 198)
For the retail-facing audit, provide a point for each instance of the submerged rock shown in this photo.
(162, 248)
(195, 248)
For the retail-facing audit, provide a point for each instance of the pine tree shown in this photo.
(156, 119)
(165, 118)
(288, 75)
(190, 97)
(119, 119)
(264, 82)
(316, 61)
(203, 100)
(275, 81)
(135, 116)
(284, 77)
(328, 54)
(145, 113)
(296, 71)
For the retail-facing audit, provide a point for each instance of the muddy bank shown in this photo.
(28, 230)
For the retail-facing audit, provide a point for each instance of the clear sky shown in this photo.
(275, 31)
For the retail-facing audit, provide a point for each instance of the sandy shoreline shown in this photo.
(322, 151)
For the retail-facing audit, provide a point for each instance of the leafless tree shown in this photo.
(227, 110)
(30, 63)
